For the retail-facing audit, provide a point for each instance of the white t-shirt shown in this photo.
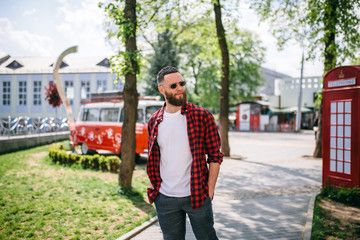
(175, 155)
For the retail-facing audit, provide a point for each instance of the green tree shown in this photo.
(165, 54)
(327, 26)
(246, 58)
(199, 47)
(356, 61)
(192, 25)
(125, 63)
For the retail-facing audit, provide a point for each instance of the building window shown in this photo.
(69, 91)
(14, 65)
(85, 89)
(37, 93)
(118, 86)
(101, 86)
(22, 93)
(6, 93)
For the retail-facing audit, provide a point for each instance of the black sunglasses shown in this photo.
(174, 85)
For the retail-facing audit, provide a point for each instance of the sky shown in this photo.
(31, 28)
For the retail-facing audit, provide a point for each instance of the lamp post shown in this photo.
(298, 114)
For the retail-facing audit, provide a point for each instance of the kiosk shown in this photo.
(252, 115)
(341, 126)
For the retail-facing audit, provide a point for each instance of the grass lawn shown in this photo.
(42, 200)
(336, 215)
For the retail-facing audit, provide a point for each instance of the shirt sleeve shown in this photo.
(212, 140)
(149, 127)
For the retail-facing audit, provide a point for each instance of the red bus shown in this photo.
(100, 120)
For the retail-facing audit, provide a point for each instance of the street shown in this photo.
(264, 188)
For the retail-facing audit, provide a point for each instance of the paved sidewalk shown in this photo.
(266, 193)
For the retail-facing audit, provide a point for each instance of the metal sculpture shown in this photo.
(60, 88)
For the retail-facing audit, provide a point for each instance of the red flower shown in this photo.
(52, 95)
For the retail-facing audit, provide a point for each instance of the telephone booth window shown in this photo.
(340, 136)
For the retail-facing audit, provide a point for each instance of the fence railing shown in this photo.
(26, 125)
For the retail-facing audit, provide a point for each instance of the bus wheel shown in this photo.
(84, 149)
(137, 158)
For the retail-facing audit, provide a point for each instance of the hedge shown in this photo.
(97, 162)
(344, 195)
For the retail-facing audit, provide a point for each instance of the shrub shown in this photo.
(95, 163)
(58, 155)
(78, 158)
(86, 161)
(344, 195)
(63, 157)
(114, 163)
(72, 158)
(104, 166)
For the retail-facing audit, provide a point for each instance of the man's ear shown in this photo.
(161, 90)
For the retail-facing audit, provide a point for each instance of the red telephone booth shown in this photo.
(341, 126)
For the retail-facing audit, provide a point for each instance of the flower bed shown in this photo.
(97, 162)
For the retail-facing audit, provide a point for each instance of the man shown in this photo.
(181, 134)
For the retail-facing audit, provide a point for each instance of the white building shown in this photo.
(23, 81)
(280, 94)
(287, 92)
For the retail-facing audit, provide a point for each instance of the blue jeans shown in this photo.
(171, 212)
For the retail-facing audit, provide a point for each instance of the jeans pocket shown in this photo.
(157, 198)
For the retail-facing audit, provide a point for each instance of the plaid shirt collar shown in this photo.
(184, 110)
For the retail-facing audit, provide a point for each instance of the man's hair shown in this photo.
(165, 71)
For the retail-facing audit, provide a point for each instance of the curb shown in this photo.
(138, 229)
(309, 217)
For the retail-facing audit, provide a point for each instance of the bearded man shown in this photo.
(184, 161)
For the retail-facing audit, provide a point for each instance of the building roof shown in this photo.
(269, 86)
(273, 73)
(70, 64)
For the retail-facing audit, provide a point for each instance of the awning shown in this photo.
(289, 110)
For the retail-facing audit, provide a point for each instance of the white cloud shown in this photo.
(29, 12)
(2, 53)
(13, 40)
(84, 27)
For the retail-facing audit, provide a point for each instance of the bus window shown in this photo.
(109, 114)
(150, 111)
(84, 114)
(90, 114)
(140, 116)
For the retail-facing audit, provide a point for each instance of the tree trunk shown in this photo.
(128, 143)
(318, 146)
(224, 92)
(329, 61)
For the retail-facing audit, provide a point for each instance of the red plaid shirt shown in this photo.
(203, 139)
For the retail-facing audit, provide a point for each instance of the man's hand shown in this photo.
(211, 193)
(214, 169)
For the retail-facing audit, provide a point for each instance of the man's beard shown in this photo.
(173, 100)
